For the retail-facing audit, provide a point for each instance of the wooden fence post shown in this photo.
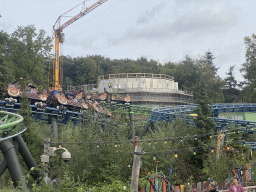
(152, 186)
(181, 188)
(164, 185)
(199, 187)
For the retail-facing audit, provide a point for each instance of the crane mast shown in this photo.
(59, 37)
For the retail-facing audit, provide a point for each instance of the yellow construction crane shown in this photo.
(59, 36)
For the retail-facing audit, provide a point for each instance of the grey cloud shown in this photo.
(198, 22)
(197, 2)
(147, 15)
(233, 53)
(190, 26)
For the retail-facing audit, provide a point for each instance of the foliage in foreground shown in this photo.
(102, 161)
(102, 155)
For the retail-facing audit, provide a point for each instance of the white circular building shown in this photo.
(145, 89)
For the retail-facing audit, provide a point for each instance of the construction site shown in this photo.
(146, 89)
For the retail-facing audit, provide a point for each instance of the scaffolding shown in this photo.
(147, 89)
(85, 88)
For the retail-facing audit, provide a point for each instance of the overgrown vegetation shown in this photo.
(102, 161)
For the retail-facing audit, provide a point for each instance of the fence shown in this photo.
(161, 184)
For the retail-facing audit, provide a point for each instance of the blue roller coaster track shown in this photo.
(184, 112)
(167, 114)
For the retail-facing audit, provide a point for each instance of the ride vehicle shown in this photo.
(72, 102)
(14, 91)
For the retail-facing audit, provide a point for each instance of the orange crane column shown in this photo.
(57, 65)
(59, 37)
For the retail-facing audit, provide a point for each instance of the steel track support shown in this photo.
(26, 155)
(13, 164)
(3, 166)
(132, 124)
(145, 129)
(54, 127)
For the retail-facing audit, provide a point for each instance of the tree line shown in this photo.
(27, 53)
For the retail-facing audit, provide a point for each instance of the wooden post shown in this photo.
(181, 188)
(190, 188)
(177, 189)
(164, 185)
(152, 186)
(247, 175)
(220, 137)
(199, 187)
(136, 167)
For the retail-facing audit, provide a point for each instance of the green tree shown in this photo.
(204, 126)
(28, 51)
(69, 72)
(87, 71)
(249, 69)
(231, 83)
(231, 94)
(212, 83)
(25, 109)
(104, 63)
(218, 169)
(169, 68)
(192, 73)
(186, 74)
(6, 65)
(209, 59)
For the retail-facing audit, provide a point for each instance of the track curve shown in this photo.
(10, 125)
(183, 111)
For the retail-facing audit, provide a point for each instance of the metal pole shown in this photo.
(132, 124)
(54, 127)
(3, 166)
(145, 129)
(26, 155)
(13, 164)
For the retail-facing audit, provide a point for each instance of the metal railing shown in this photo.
(136, 75)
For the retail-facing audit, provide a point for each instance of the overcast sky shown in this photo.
(163, 30)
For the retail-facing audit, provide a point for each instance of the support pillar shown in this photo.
(54, 127)
(132, 124)
(13, 164)
(3, 166)
(147, 128)
(26, 155)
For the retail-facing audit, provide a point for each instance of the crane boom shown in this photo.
(59, 37)
(81, 14)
